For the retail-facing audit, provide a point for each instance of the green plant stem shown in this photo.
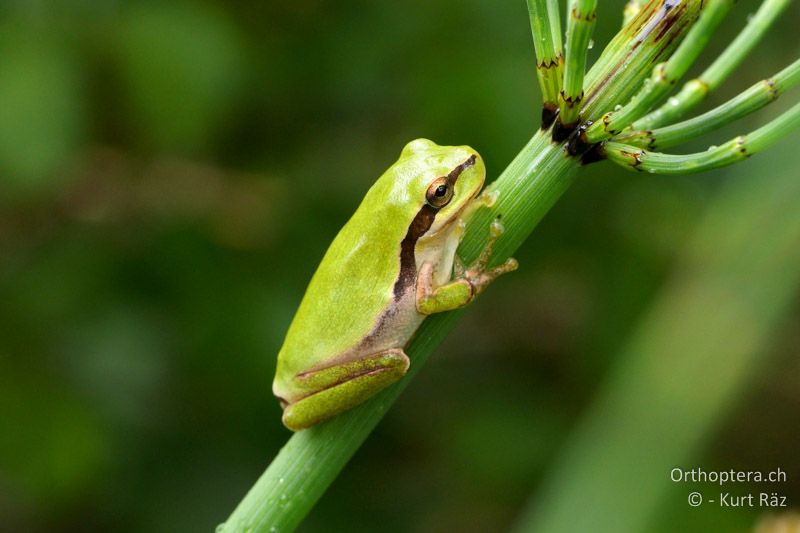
(695, 91)
(546, 29)
(311, 459)
(741, 147)
(580, 23)
(665, 74)
(648, 39)
(754, 98)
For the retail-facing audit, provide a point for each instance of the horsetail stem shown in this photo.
(664, 76)
(754, 98)
(695, 91)
(580, 24)
(650, 37)
(546, 30)
(736, 149)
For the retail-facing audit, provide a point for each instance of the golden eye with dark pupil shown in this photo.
(439, 193)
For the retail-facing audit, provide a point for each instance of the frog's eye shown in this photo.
(439, 193)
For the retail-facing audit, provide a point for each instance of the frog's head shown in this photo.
(445, 180)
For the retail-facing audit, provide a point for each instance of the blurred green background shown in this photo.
(172, 172)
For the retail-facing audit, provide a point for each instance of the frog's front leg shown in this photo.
(342, 386)
(467, 282)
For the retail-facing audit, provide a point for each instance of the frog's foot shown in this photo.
(467, 282)
(342, 387)
(477, 274)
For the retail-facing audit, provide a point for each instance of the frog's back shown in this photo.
(354, 283)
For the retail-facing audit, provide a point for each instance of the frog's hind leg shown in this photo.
(343, 386)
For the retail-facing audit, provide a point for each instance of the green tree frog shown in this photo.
(390, 266)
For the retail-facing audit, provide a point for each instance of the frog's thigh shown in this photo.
(338, 391)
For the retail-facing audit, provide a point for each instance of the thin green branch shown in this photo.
(649, 38)
(754, 98)
(664, 76)
(546, 29)
(732, 151)
(580, 24)
(695, 91)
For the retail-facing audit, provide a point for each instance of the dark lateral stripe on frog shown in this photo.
(422, 222)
